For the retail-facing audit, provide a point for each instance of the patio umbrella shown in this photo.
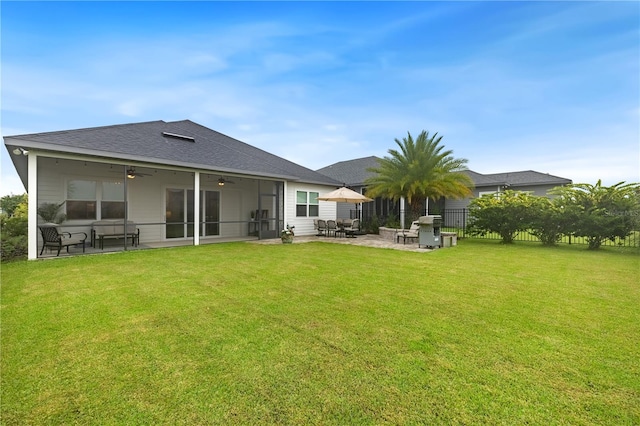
(345, 195)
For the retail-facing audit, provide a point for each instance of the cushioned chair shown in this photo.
(351, 231)
(411, 233)
(344, 222)
(53, 238)
(322, 227)
(332, 226)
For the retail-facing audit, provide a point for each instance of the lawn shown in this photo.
(322, 333)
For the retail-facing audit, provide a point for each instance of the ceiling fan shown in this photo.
(132, 174)
(222, 181)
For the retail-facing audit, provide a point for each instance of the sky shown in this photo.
(546, 86)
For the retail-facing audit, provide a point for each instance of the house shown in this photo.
(528, 180)
(168, 178)
(354, 173)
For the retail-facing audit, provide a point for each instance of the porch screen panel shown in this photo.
(190, 215)
(212, 212)
(112, 204)
(175, 213)
(81, 199)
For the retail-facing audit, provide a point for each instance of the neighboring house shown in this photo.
(149, 173)
(528, 180)
(354, 173)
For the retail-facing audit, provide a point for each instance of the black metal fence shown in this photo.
(457, 220)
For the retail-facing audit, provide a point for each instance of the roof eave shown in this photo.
(11, 142)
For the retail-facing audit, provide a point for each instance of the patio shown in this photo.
(368, 240)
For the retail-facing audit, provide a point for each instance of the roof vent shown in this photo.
(177, 136)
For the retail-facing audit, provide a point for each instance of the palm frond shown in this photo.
(419, 169)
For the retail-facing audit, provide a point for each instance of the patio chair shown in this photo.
(53, 238)
(332, 226)
(341, 224)
(345, 222)
(322, 228)
(353, 229)
(411, 233)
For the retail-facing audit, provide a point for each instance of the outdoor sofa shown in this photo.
(104, 229)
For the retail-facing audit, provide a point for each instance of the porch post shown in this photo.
(196, 208)
(32, 197)
(285, 211)
(125, 179)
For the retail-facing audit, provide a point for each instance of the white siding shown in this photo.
(147, 196)
(304, 225)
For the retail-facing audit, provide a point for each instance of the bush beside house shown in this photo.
(13, 224)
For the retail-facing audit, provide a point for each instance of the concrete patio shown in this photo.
(368, 240)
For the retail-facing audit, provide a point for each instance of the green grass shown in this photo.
(322, 333)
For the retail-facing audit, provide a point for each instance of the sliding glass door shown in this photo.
(210, 212)
(175, 213)
(180, 217)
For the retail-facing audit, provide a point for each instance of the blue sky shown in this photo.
(547, 86)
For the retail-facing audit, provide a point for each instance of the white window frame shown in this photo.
(97, 196)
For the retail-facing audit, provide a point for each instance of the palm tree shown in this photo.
(422, 169)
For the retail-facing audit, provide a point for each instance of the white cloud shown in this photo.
(276, 83)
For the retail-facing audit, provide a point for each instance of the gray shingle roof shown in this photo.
(351, 172)
(528, 178)
(480, 180)
(354, 173)
(149, 142)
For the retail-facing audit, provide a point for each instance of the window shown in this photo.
(81, 199)
(307, 204)
(314, 207)
(112, 203)
(85, 198)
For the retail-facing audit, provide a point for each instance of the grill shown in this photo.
(429, 233)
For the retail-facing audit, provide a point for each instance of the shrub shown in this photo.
(14, 248)
(598, 212)
(547, 221)
(370, 226)
(392, 222)
(505, 213)
(14, 237)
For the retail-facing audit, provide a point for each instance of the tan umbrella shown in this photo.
(345, 195)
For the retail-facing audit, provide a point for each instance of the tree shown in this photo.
(597, 212)
(13, 230)
(421, 169)
(505, 213)
(9, 203)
